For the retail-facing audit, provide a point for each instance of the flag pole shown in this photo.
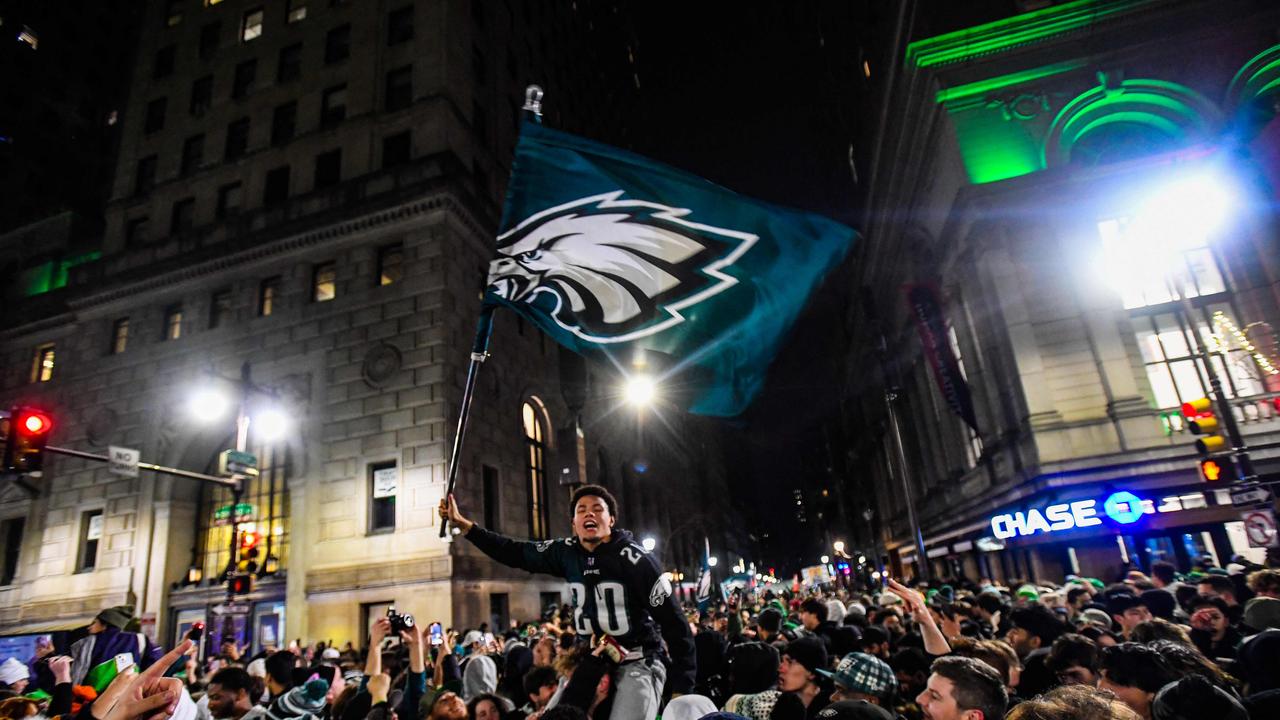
(479, 347)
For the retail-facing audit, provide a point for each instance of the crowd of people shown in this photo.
(1159, 646)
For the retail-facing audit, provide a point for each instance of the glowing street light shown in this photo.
(862, 559)
(648, 544)
(711, 561)
(640, 390)
(825, 559)
(271, 424)
(839, 546)
(207, 404)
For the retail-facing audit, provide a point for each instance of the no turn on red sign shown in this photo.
(1260, 527)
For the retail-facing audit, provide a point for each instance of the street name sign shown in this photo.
(1246, 497)
(244, 513)
(236, 462)
(123, 461)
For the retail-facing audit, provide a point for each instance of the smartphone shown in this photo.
(196, 632)
(437, 633)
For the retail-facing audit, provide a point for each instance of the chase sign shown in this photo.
(1121, 507)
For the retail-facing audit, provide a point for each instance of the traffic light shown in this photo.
(249, 540)
(240, 584)
(1200, 420)
(1217, 469)
(27, 434)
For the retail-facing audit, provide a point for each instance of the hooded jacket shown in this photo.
(617, 590)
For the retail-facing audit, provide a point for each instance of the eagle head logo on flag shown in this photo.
(615, 269)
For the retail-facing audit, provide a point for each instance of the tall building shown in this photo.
(1048, 186)
(306, 197)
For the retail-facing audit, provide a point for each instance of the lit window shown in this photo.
(384, 479)
(90, 534)
(119, 336)
(28, 36)
(390, 264)
(535, 466)
(211, 3)
(251, 25)
(173, 322)
(324, 282)
(1142, 281)
(297, 10)
(268, 292)
(172, 13)
(42, 371)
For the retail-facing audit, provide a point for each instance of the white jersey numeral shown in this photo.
(611, 608)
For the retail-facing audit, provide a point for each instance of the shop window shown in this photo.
(289, 66)
(42, 365)
(268, 296)
(275, 188)
(90, 535)
(201, 95)
(384, 480)
(268, 498)
(10, 548)
(220, 309)
(535, 471)
(390, 264)
(119, 335)
(324, 282)
(172, 322)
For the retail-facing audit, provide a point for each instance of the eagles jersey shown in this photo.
(618, 590)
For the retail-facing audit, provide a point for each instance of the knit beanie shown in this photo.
(1262, 613)
(117, 617)
(307, 699)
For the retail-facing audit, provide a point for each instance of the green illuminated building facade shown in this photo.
(1021, 171)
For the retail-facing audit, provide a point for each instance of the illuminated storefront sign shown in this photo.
(1121, 507)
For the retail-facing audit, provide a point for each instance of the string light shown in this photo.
(1220, 320)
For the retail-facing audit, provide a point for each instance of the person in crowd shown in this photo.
(1260, 613)
(813, 617)
(485, 707)
(1211, 630)
(860, 676)
(1221, 586)
(1134, 673)
(911, 667)
(649, 613)
(799, 673)
(875, 641)
(1073, 702)
(1073, 660)
(1193, 696)
(1164, 576)
(107, 639)
(1032, 632)
(540, 683)
(1265, 583)
(1160, 629)
(1127, 611)
(999, 655)
(229, 694)
(14, 676)
(962, 689)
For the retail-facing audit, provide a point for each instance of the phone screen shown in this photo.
(437, 634)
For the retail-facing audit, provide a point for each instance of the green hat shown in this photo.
(117, 617)
(1096, 583)
(1029, 592)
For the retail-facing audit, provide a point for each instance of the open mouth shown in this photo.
(590, 525)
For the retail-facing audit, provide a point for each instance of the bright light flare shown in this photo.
(270, 425)
(825, 559)
(640, 390)
(648, 544)
(711, 561)
(207, 405)
(839, 546)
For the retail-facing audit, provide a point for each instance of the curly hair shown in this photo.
(1265, 582)
(1073, 701)
(1149, 631)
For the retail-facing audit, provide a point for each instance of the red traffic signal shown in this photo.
(27, 434)
(249, 540)
(240, 584)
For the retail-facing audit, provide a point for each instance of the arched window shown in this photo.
(536, 469)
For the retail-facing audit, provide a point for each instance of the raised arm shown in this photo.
(934, 641)
(541, 557)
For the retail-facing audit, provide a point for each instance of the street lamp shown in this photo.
(271, 424)
(839, 547)
(648, 544)
(711, 561)
(825, 559)
(208, 404)
(640, 390)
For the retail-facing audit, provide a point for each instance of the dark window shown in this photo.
(492, 501)
(328, 168)
(135, 231)
(243, 81)
(276, 188)
(337, 44)
(162, 67)
(295, 11)
(478, 66)
(399, 92)
(119, 336)
(499, 609)
(219, 308)
(183, 217)
(289, 66)
(192, 154)
(237, 138)
(400, 25)
(201, 95)
(333, 105)
(384, 483)
(155, 115)
(229, 200)
(90, 534)
(284, 123)
(251, 25)
(172, 329)
(324, 282)
(397, 149)
(209, 37)
(10, 547)
(268, 296)
(145, 179)
(390, 264)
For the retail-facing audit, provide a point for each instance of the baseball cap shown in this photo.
(854, 710)
(810, 652)
(472, 637)
(863, 673)
(330, 654)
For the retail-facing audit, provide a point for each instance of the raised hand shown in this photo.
(143, 696)
(449, 512)
(60, 666)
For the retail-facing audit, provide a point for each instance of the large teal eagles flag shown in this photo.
(610, 252)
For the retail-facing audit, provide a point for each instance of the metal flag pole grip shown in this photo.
(479, 351)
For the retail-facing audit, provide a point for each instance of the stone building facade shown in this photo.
(348, 284)
(1016, 176)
